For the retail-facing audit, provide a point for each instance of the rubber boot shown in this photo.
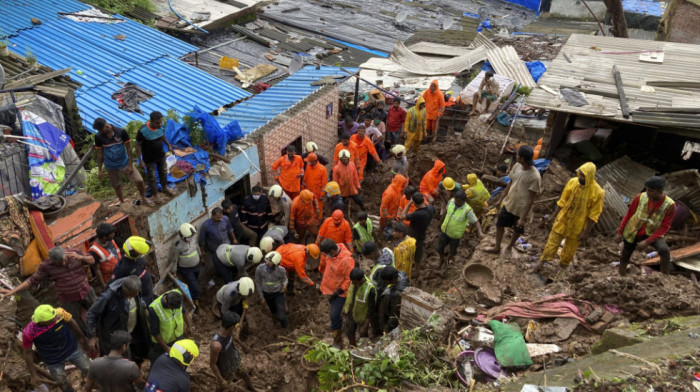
(337, 339)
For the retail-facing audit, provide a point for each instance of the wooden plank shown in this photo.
(678, 254)
(621, 91)
(36, 79)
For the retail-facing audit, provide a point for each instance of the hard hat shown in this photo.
(184, 351)
(135, 246)
(471, 179)
(314, 250)
(254, 255)
(275, 191)
(187, 230)
(338, 215)
(43, 313)
(332, 188)
(399, 150)
(312, 157)
(246, 286)
(274, 258)
(267, 243)
(344, 154)
(306, 196)
(311, 147)
(448, 183)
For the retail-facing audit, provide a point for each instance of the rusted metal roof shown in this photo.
(625, 175)
(614, 209)
(684, 186)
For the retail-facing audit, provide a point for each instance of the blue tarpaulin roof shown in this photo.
(102, 63)
(264, 107)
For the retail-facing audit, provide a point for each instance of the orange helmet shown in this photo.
(314, 250)
(306, 196)
(338, 215)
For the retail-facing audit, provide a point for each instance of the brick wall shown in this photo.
(685, 25)
(308, 120)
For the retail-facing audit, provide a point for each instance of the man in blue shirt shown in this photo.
(149, 148)
(114, 151)
(215, 231)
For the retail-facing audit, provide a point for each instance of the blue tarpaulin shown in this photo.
(486, 24)
(179, 136)
(536, 68)
(529, 4)
(645, 7)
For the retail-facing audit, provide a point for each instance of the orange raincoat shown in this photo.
(431, 180)
(391, 200)
(303, 214)
(364, 148)
(294, 259)
(434, 102)
(347, 179)
(341, 234)
(352, 147)
(315, 179)
(289, 170)
(336, 271)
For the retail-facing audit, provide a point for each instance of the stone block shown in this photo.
(615, 338)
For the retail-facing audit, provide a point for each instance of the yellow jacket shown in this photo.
(415, 119)
(579, 203)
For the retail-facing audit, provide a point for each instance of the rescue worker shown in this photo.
(399, 162)
(431, 180)
(360, 306)
(214, 232)
(241, 233)
(291, 171)
(224, 358)
(312, 148)
(133, 262)
(477, 194)
(105, 252)
(345, 175)
(389, 304)
(459, 216)
(256, 211)
(281, 204)
(231, 260)
(434, 107)
(419, 220)
(294, 257)
(113, 372)
(404, 248)
(364, 148)
(501, 172)
(335, 201)
(169, 372)
(167, 321)
(187, 259)
(647, 220)
(346, 144)
(232, 296)
(578, 209)
(53, 332)
(271, 280)
(120, 306)
(414, 127)
(446, 190)
(274, 237)
(406, 202)
(304, 217)
(315, 179)
(391, 200)
(335, 267)
(336, 228)
(362, 230)
(382, 259)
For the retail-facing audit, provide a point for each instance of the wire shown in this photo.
(181, 17)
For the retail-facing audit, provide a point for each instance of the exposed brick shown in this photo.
(684, 26)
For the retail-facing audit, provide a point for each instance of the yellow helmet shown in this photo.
(472, 178)
(135, 247)
(344, 154)
(276, 191)
(332, 188)
(448, 183)
(184, 351)
(274, 258)
(267, 243)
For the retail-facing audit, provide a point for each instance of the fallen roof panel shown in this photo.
(625, 175)
(505, 61)
(414, 63)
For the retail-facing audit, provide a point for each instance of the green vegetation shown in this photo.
(524, 90)
(122, 6)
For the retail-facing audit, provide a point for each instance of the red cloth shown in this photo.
(336, 271)
(544, 308)
(395, 118)
(347, 178)
(653, 206)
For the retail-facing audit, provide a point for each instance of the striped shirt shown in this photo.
(70, 281)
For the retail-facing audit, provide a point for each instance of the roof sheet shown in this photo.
(264, 107)
(592, 59)
(16, 15)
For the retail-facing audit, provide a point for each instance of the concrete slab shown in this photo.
(222, 13)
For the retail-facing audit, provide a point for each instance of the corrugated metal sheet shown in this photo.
(412, 62)
(176, 85)
(684, 185)
(264, 107)
(625, 175)
(506, 62)
(348, 57)
(16, 15)
(614, 209)
(592, 58)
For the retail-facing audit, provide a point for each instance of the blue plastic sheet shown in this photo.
(541, 164)
(536, 69)
(233, 131)
(177, 134)
(645, 7)
(215, 134)
(529, 4)
(470, 14)
(486, 24)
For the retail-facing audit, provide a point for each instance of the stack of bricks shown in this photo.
(307, 119)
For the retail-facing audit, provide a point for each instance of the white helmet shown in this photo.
(344, 154)
(398, 150)
(311, 147)
(254, 255)
(275, 191)
(246, 286)
(187, 230)
(267, 243)
(274, 258)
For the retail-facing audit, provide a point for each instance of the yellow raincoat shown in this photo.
(578, 204)
(404, 255)
(415, 126)
(477, 194)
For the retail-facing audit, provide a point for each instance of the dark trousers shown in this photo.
(337, 304)
(162, 175)
(660, 246)
(444, 240)
(419, 250)
(247, 236)
(277, 304)
(227, 274)
(191, 276)
(76, 308)
(209, 268)
(357, 200)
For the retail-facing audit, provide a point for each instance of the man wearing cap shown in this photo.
(186, 258)
(336, 228)
(271, 280)
(281, 204)
(66, 269)
(231, 260)
(518, 198)
(169, 372)
(458, 216)
(304, 217)
(232, 296)
(477, 194)
(345, 144)
(346, 176)
(133, 262)
(446, 190)
(53, 332)
(647, 220)
(167, 321)
(315, 179)
(294, 257)
(274, 237)
(291, 171)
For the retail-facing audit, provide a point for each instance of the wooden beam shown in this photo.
(621, 91)
(36, 79)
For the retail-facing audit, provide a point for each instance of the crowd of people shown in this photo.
(270, 243)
